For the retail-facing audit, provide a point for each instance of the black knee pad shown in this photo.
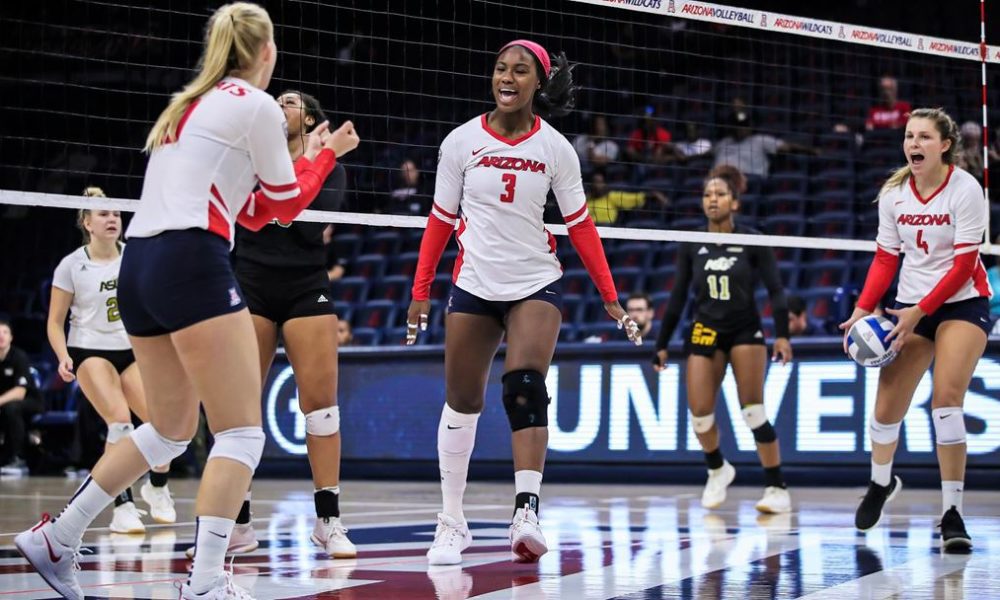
(765, 433)
(525, 399)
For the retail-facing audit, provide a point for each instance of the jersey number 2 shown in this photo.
(113, 314)
(510, 180)
(921, 243)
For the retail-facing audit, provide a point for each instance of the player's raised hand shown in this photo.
(416, 319)
(343, 140)
(625, 322)
(314, 141)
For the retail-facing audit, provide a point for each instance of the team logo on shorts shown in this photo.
(234, 297)
(703, 336)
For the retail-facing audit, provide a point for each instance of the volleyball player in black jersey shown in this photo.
(727, 329)
(282, 272)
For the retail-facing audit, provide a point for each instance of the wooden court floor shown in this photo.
(606, 541)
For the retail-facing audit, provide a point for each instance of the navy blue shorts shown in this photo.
(973, 310)
(119, 359)
(461, 301)
(176, 279)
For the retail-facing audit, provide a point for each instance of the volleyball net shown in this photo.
(669, 89)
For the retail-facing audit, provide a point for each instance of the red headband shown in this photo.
(536, 50)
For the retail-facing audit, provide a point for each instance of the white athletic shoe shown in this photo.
(126, 518)
(242, 540)
(161, 504)
(450, 539)
(715, 488)
(527, 544)
(331, 535)
(225, 589)
(776, 500)
(57, 564)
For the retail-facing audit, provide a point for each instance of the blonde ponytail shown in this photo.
(233, 38)
(948, 129)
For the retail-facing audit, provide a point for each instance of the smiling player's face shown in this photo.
(515, 79)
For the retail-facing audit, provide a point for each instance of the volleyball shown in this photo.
(866, 342)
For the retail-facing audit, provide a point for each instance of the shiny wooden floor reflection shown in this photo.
(641, 542)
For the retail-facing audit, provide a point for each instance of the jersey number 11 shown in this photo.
(718, 287)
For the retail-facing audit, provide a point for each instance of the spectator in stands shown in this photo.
(970, 154)
(889, 112)
(694, 143)
(336, 266)
(410, 195)
(748, 151)
(639, 306)
(345, 336)
(596, 149)
(798, 318)
(650, 143)
(19, 401)
(604, 204)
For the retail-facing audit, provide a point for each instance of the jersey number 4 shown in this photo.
(718, 287)
(510, 180)
(921, 243)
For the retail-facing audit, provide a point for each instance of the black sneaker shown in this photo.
(869, 512)
(954, 538)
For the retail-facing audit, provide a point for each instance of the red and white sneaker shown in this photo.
(57, 564)
(527, 544)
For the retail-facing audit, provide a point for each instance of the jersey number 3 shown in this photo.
(510, 180)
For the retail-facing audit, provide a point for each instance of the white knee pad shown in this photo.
(702, 424)
(156, 449)
(949, 425)
(118, 432)
(242, 444)
(754, 415)
(880, 433)
(323, 422)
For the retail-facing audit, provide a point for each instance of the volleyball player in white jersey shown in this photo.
(98, 352)
(934, 213)
(494, 173)
(190, 330)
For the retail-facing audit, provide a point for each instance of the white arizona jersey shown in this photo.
(497, 187)
(94, 320)
(932, 231)
(229, 140)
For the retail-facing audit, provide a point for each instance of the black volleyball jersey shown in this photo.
(299, 244)
(725, 277)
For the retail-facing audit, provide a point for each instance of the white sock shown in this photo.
(529, 482)
(335, 489)
(456, 438)
(881, 474)
(247, 497)
(88, 502)
(951, 495)
(211, 540)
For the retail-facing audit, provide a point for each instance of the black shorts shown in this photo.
(280, 295)
(461, 301)
(119, 359)
(973, 310)
(176, 279)
(704, 340)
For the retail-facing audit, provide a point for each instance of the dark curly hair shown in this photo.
(733, 177)
(557, 95)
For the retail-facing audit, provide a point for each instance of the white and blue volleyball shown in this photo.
(866, 342)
